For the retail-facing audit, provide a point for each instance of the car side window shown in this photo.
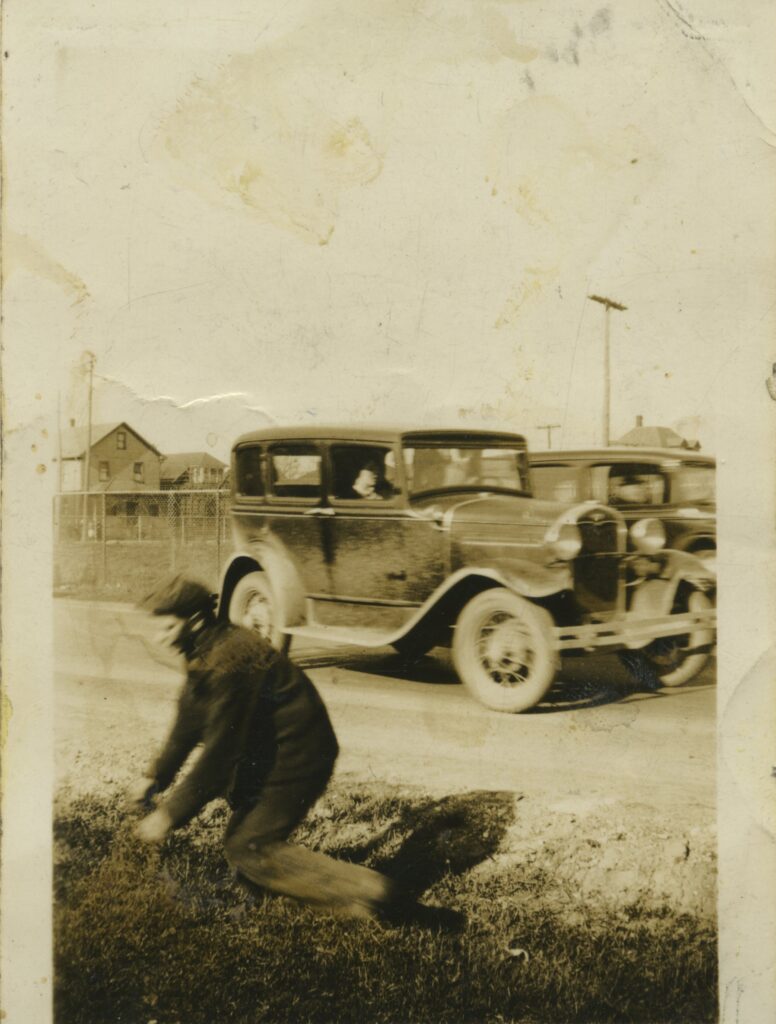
(295, 472)
(629, 484)
(555, 482)
(363, 473)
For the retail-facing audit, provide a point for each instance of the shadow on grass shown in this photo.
(442, 837)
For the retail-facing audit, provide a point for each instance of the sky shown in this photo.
(387, 211)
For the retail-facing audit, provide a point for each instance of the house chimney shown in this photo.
(639, 421)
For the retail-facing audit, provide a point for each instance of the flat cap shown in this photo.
(178, 596)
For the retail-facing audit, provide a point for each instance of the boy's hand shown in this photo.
(154, 827)
(142, 792)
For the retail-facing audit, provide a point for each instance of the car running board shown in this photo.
(344, 635)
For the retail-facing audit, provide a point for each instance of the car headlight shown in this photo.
(564, 540)
(648, 536)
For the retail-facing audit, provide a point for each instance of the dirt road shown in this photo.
(591, 745)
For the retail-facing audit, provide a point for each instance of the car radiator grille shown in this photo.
(596, 569)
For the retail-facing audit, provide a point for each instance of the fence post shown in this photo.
(104, 536)
(218, 532)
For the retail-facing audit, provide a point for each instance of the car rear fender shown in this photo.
(269, 557)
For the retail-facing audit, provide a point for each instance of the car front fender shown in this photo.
(655, 597)
(528, 579)
(266, 555)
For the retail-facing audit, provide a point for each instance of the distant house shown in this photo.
(192, 471)
(119, 460)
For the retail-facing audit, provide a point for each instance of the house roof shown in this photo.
(176, 464)
(75, 439)
(654, 437)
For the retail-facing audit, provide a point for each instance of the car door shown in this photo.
(383, 553)
(297, 513)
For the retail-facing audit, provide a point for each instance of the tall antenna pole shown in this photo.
(609, 305)
(549, 427)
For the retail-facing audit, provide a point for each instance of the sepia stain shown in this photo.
(23, 253)
(257, 133)
(529, 288)
(501, 40)
(40, 468)
(600, 22)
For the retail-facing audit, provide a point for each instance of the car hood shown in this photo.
(486, 509)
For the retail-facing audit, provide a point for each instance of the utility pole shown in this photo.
(549, 427)
(609, 305)
(90, 360)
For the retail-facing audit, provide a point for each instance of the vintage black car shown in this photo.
(673, 485)
(419, 538)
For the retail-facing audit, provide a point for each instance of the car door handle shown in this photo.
(319, 512)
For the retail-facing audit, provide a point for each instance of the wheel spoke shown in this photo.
(504, 650)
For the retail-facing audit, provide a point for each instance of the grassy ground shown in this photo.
(164, 935)
(127, 570)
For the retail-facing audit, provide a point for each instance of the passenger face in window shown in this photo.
(630, 490)
(365, 484)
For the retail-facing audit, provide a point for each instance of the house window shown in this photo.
(104, 471)
(138, 472)
(121, 440)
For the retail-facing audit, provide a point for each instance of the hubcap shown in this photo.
(504, 650)
(258, 614)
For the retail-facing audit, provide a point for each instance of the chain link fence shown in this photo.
(119, 544)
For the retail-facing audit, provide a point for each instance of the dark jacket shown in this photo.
(258, 716)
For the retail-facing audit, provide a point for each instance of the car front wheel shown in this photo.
(253, 605)
(503, 650)
(672, 658)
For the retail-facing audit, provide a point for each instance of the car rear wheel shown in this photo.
(671, 657)
(254, 606)
(503, 650)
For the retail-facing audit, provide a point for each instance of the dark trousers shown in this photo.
(256, 848)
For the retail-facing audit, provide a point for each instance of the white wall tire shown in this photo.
(504, 650)
(669, 660)
(254, 606)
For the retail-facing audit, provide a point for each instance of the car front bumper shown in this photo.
(634, 631)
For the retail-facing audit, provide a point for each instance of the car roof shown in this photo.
(629, 453)
(377, 434)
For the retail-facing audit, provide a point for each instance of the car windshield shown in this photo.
(693, 485)
(469, 467)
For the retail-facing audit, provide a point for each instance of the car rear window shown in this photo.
(248, 477)
(296, 472)
(693, 484)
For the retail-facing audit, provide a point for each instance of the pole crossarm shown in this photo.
(609, 303)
